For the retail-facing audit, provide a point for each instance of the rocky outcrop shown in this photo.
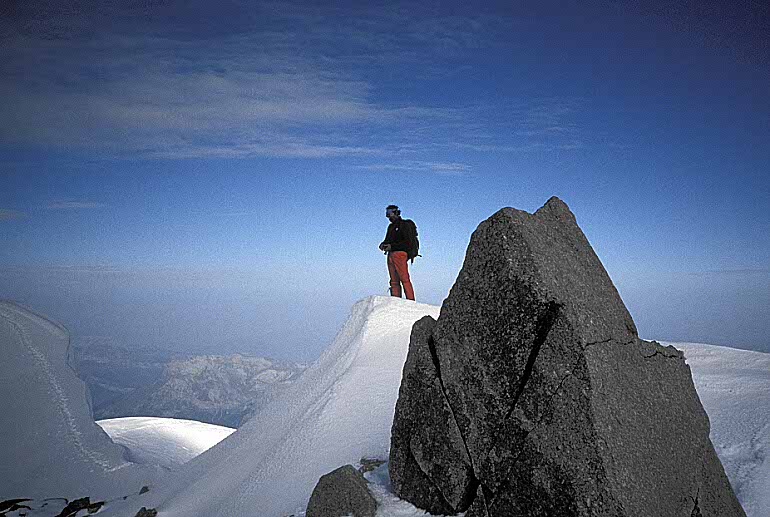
(340, 493)
(532, 394)
(436, 477)
(11, 505)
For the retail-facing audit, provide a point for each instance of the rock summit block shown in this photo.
(533, 395)
(340, 493)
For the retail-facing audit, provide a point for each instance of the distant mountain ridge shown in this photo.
(111, 372)
(222, 390)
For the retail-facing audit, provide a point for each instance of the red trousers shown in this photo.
(398, 268)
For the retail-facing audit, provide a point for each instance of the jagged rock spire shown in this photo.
(533, 395)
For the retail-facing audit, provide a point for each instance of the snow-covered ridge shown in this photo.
(168, 442)
(734, 388)
(340, 410)
(47, 429)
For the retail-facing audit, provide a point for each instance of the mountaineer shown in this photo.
(400, 245)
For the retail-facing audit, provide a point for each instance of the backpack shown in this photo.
(414, 243)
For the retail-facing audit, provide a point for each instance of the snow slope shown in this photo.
(47, 430)
(340, 410)
(168, 442)
(337, 412)
(734, 387)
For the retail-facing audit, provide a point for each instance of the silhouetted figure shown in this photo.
(400, 245)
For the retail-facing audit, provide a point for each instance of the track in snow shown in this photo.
(16, 320)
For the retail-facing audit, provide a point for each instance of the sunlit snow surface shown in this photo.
(734, 387)
(342, 408)
(339, 411)
(168, 442)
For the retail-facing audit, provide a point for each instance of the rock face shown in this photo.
(532, 394)
(340, 493)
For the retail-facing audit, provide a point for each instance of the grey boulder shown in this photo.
(532, 394)
(340, 493)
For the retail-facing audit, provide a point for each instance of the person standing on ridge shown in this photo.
(400, 245)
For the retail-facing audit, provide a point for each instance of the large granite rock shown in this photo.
(533, 395)
(442, 475)
(340, 493)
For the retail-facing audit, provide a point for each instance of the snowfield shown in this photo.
(167, 442)
(339, 411)
(51, 446)
(734, 388)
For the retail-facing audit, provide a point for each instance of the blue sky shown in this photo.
(212, 176)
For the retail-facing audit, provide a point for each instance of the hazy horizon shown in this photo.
(213, 176)
(199, 312)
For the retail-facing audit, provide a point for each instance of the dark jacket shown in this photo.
(398, 236)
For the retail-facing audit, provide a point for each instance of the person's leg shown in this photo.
(400, 262)
(395, 281)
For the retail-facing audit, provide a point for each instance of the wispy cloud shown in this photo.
(227, 105)
(306, 84)
(529, 125)
(73, 205)
(64, 269)
(10, 215)
(745, 272)
(449, 168)
(243, 213)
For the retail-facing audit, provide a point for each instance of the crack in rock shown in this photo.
(660, 352)
(543, 328)
(544, 325)
(474, 482)
(427, 476)
(493, 496)
(696, 509)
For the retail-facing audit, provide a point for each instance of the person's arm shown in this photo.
(385, 244)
